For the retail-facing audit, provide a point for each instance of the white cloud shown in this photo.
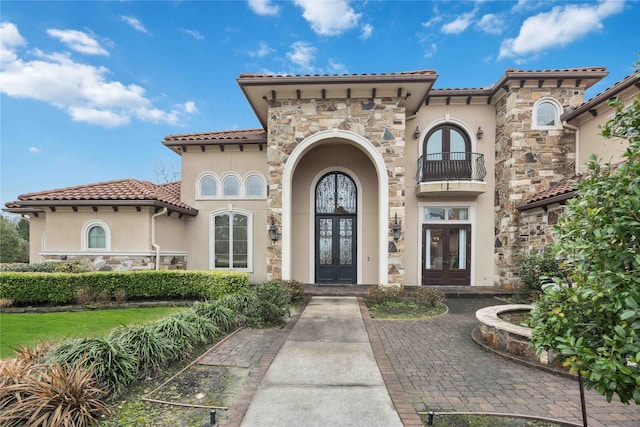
(303, 55)
(431, 50)
(78, 41)
(336, 68)
(458, 25)
(34, 150)
(10, 39)
(432, 21)
(190, 107)
(263, 50)
(83, 91)
(196, 35)
(562, 25)
(263, 7)
(367, 30)
(329, 18)
(490, 23)
(135, 23)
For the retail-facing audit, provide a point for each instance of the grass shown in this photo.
(405, 310)
(28, 329)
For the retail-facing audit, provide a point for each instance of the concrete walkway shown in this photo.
(325, 374)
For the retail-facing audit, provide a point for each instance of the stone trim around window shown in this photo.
(546, 114)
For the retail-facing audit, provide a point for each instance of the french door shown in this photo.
(446, 254)
(335, 229)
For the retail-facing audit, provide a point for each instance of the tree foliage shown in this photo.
(594, 319)
(13, 248)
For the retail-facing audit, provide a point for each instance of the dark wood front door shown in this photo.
(335, 229)
(335, 249)
(446, 254)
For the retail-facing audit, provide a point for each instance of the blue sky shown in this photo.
(89, 89)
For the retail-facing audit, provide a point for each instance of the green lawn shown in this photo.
(28, 329)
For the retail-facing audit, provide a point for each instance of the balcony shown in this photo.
(455, 174)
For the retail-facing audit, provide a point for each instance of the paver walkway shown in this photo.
(441, 368)
(426, 364)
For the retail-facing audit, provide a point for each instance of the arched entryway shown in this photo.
(336, 210)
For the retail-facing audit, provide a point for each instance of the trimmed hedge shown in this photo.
(60, 288)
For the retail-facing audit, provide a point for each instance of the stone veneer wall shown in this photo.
(536, 228)
(527, 162)
(124, 262)
(381, 121)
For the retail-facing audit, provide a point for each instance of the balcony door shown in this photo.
(447, 154)
(335, 229)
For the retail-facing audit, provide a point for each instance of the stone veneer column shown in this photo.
(381, 121)
(527, 162)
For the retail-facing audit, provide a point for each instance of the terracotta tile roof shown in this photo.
(565, 189)
(605, 95)
(110, 192)
(557, 70)
(401, 73)
(240, 134)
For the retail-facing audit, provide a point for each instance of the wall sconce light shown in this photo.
(480, 133)
(273, 231)
(416, 133)
(396, 229)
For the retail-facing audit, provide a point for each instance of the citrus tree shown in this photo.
(593, 321)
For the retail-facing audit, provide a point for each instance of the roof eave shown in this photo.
(109, 202)
(548, 201)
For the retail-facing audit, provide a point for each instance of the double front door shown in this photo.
(336, 229)
(446, 254)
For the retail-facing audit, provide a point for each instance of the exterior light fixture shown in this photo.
(273, 231)
(480, 133)
(396, 229)
(416, 133)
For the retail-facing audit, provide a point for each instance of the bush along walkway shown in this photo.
(440, 368)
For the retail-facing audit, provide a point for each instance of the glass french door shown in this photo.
(335, 229)
(446, 254)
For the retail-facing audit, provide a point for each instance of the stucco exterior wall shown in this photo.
(317, 162)
(37, 228)
(470, 118)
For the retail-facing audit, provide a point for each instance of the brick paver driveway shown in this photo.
(441, 368)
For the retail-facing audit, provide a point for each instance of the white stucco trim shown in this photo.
(557, 113)
(474, 229)
(84, 235)
(198, 195)
(383, 195)
(111, 253)
(312, 223)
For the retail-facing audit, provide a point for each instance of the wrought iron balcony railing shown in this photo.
(451, 167)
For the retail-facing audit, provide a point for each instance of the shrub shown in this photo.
(60, 288)
(48, 267)
(84, 297)
(103, 297)
(55, 396)
(296, 290)
(114, 367)
(535, 271)
(382, 294)
(153, 349)
(224, 317)
(206, 330)
(271, 306)
(429, 297)
(120, 296)
(5, 302)
(182, 333)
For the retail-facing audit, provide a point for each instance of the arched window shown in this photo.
(231, 240)
(231, 186)
(254, 186)
(208, 186)
(96, 238)
(447, 154)
(546, 114)
(96, 235)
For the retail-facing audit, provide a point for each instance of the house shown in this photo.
(352, 179)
